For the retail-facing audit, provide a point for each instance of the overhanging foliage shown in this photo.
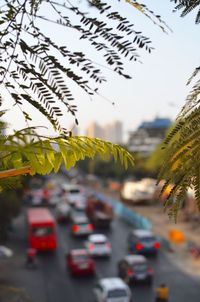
(27, 152)
(34, 69)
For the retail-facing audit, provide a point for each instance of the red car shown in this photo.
(80, 262)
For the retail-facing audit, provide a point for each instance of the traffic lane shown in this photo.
(60, 286)
(28, 282)
(52, 282)
(181, 285)
(105, 267)
(75, 288)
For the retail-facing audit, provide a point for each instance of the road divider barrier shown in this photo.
(138, 221)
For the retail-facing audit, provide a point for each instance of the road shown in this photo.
(51, 282)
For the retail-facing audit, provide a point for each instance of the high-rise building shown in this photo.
(94, 130)
(111, 132)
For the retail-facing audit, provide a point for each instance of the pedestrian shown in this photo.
(162, 293)
(30, 257)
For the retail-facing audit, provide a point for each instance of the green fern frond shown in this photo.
(43, 155)
(181, 163)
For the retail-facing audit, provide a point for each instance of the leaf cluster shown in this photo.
(34, 69)
(181, 166)
(44, 155)
(187, 6)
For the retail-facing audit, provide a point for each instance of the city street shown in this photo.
(52, 282)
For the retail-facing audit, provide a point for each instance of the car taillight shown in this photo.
(90, 227)
(91, 247)
(157, 245)
(130, 272)
(139, 246)
(150, 270)
(74, 228)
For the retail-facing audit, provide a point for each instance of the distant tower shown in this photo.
(94, 130)
(113, 132)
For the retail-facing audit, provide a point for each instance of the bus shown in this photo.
(41, 229)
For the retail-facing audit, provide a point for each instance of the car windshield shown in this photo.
(117, 293)
(42, 231)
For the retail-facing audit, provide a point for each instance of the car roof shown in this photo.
(112, 283)
(77, 252)
(132, 259)
(142, 233)
(97, 237)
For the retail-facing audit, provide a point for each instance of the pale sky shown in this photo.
(158, 86)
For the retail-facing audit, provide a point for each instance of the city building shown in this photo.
(94, 130)
(111, 132)
(148, 135)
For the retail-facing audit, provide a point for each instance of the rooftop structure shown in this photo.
(148, 135)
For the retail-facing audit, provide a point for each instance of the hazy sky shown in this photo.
(158, 86)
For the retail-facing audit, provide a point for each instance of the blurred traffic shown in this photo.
(73, 230)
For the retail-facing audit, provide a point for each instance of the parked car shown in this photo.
(135, 268)
(63, 211)
(81, 225)
(112, 290)
(98, 245)
(79, 262)
(143, 242)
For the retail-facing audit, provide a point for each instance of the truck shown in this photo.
(100, 213)
(136, 192)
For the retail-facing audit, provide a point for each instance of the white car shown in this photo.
(112, 290)
(54, 197)
(98, 245)
(63, 212)
(73, 193)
